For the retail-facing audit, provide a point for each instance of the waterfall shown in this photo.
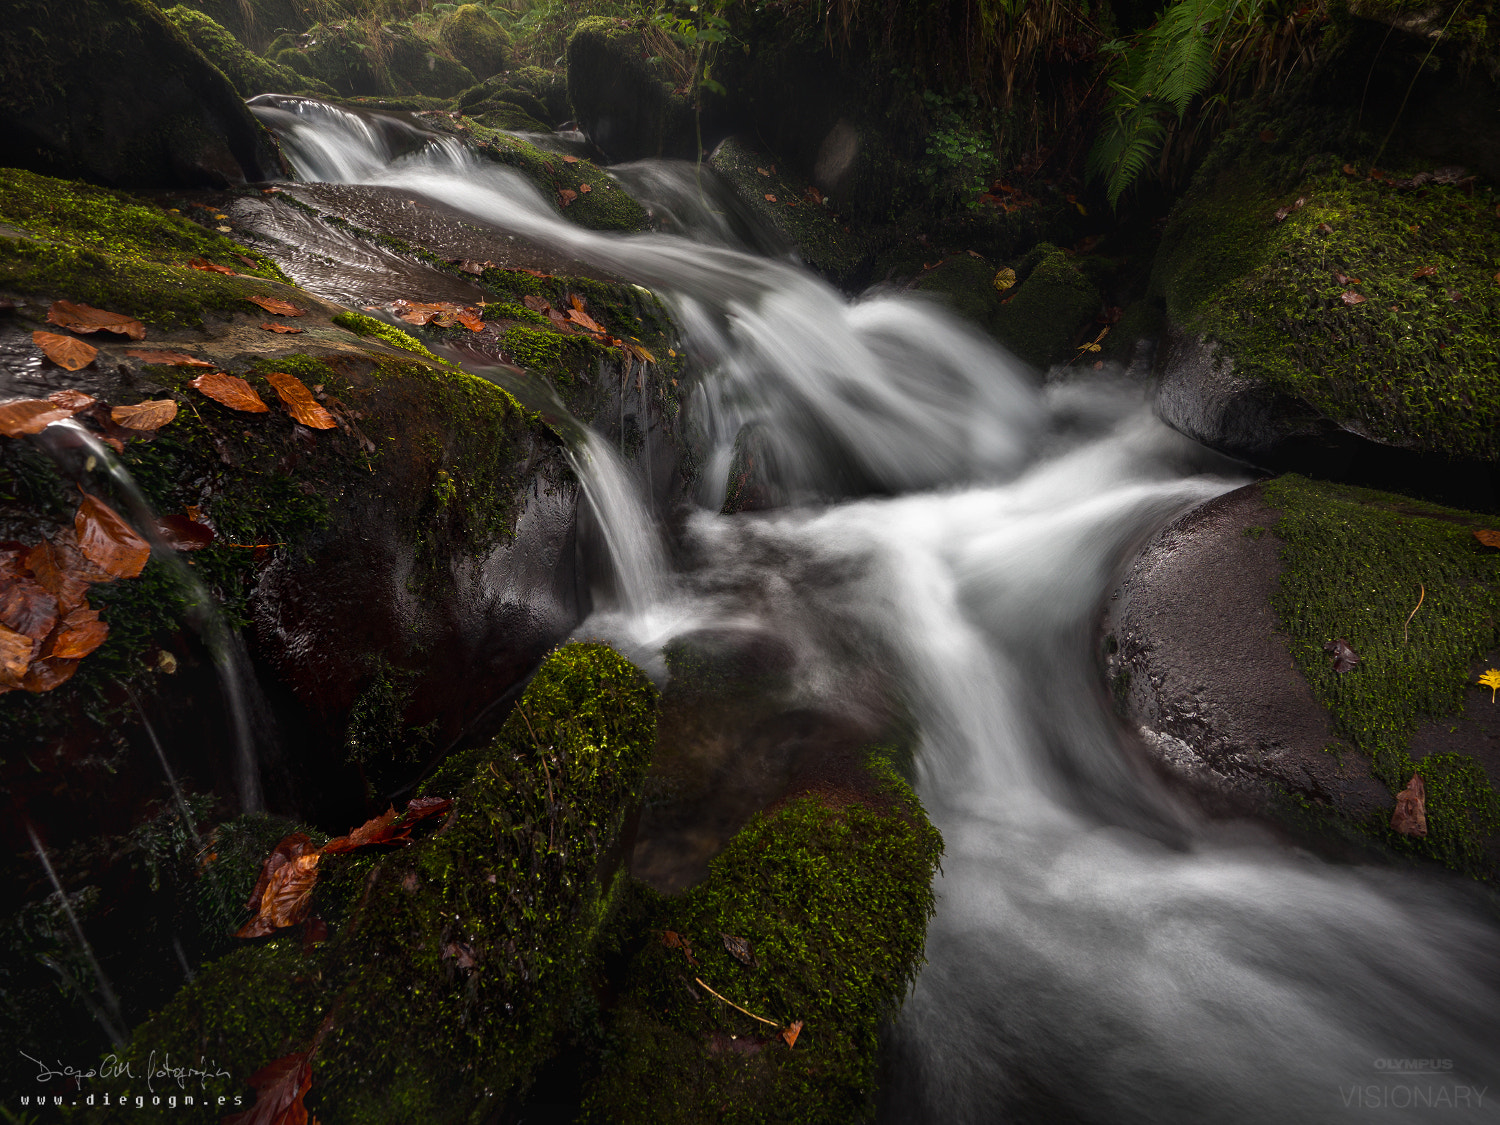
(1100, 953)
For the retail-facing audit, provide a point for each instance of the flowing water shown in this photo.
(1100, 953)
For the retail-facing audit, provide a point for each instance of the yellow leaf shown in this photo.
(1491, 680)
(1004, 279)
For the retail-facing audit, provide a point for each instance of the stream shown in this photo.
(1100, 952)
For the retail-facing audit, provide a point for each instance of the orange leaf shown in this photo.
(44, 675)
(28, 609)
(287, 849)
(770, 198)
(1488, 538)
(275, 307)
(584, 189)
(30, 416)
(470, 321)
(1410, 817)
(86, 318)
(279, 1089)
(570, 160)
(15, 657)
(77, 635)
(300, 402)
(1425, 271)
(152, 414)
(567, 195)
(205, 264)
(170, 359)
(72, 401)
(183, 533)
(283, 328)
(230, 390)
(66, 352)
(107, 541)
(791, 1032)
(287, 896)
(61, 569)
(376, 830)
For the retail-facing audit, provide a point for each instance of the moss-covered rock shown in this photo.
(541, 93)
(111, 91)
(250, 73)
(624, 103)
(476, 40)
(368, 58)
(1052, 304)
(814, 917)
(449, 965)
(257, 23)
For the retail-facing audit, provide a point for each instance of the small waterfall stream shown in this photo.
(1100, 953)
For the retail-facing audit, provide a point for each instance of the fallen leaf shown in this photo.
(570, 160)
(205, 264)
(287, 849)
(419, 809)
(1004, 279)
(1324, 228)
(1410, 817)
(77, 635)
(770, 198)
(283, 328)
(813, 195)
(279, 1089)
(1343, 656)
(1425, 271)
(230, 390)
(566, 195)
(65, 351)
(30, 416)
(1350, 297)
(377, 830)
(469, 320)
(15, 657)
(86, 318)
(170, 359)
(535, 303)
(739, 949)
(287, 896)
(152, 414)
(300, 402)
(584, 189)
(1282, 213)
(63, 570)
(276, 307)
(1491, 680)
(72, 401)
(27, 608)
(581, 318)
(790, 1033)
(673, 940)
(107, 541)
(763, 172)
(45, 675)
(462, 956)
(1349, 170)
(182, 533)
(251, 262)
(1488, 538)
(1345, 279)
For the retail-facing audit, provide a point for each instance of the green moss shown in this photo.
(1356, 562)
(833, 896)
(250, 73)
(1413, 364)
(476, 40)
(366, 57)
(1053, 302)
(368, 326)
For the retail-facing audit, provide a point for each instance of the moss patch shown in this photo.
(1356, 562)
(476, 40)
(369, 327)
(1041, 321)
(250, 73)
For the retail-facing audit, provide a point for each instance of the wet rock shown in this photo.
(541, 94)
(628, 107)
(257, 23)
(111, 91)
(754, 483)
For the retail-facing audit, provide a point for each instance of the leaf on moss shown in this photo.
(570, 160)
(15, 658)
(790, 1033)
(205, 264)
(673, 940)
(168, 358)
(65, 351)
(582, 319)
(739, 949)
(277, 307)
(30, 416)
(1488, 538)
(1425, 271)
(152, 414)
(1350, 297)
(279, 1089)
(566, 196)
(423, 808)
(107, 541)
(72, 401)
(300, 402)
(380, 829)
(286, 898)
(1410, 817)
(1004, 279)
(770, 198)
(231, 391)
(1344, 658)
(86, 319)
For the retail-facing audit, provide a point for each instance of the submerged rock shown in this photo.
(111, 91)
(1222, 651)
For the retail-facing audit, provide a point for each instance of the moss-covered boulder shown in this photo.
(1221, 645)
(111, 91)
(449, 965)
(250, 73)
(476, 40)
(368, 58)
(624, 102)
(543, 94)
(257, 23)
(759, 995)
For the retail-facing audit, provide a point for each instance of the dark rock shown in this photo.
(754, 483)
(250, 73)
(476, 40)
(110, 91)
(628, 107)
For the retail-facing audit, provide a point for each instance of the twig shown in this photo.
(1405, 634)
(736, 1007)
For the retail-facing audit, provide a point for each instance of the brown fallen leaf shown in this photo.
(790, 1033)
(535, 303)
(283, 328)
(1350, 297)
(107, 541)
(570, 160)
(277, 307)
(376, 830)
(419, 809)
(205, 264)
(72, 401)
(1344, 658)
(1425, 271)
(65, 351)
(62, 570)
(673, 940)
(1410, 817)
(566, 195)
(30, 416)
(1349, 170)
(1488, 538)
(1344, 279)
(76, 635)
(287, 896)
(280, 1087)
(584, 189)
(287, 849)
(45, 675)
(86, 319)
(28, 609)
(15, 657)
(183, 533)
(770, 198)
(300, 402)
(169, 359)
(739, 949)
(231, 391)
(581, 318)
(152, 414)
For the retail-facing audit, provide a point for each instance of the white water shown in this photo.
(1100, 954)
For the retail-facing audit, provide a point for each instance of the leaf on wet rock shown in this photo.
(287, 849)
(1491, 680)
(168, 358)
(231, 391)
(1410, 817)
(1344, 658)
(86, 318)
(1350, 297)
(205, 264)
(279, 1089)
(45, 675)
(30, 416)
(77, 635)
(62, 570)
(739, 949)
(300, 402)
(65, 351)
(578, 316)
(107, 541)
(183, 533)
(28, 608)
(277, 307)
(15, 658)
(286, 329)
(72, 401)
(1004, 279)
(152, 414)
(1425, 271)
